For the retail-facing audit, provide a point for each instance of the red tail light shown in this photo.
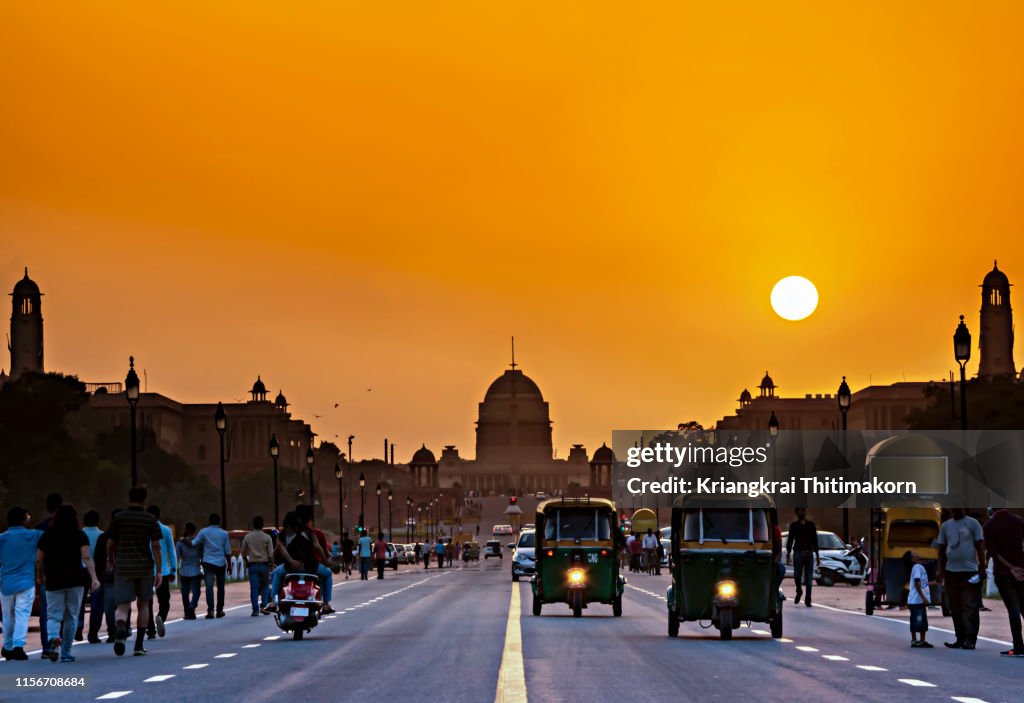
(604, 552)
(551, 552)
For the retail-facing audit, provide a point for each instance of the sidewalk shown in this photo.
(994, 624)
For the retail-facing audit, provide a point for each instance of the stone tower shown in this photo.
(996, 341)
(26, 339)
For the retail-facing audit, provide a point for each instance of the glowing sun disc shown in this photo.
(794, 298)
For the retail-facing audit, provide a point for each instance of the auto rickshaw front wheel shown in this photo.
(537, 604)
(617, 607)
(576, 603)
(673, 624)
(725, 623)
(869, 602)
(777, 625)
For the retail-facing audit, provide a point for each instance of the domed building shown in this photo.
(26, 336)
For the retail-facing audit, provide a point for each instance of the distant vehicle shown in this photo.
(501, 530)
(666, 547)
(529, 526)
(391, 557)
(830, 547)
(471, 551)
(523, 557)
(541, 495)
(493, 549)
(400, 555)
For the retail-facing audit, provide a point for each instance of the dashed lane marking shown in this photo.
(158, 678)
(834, 658)
(195, 666)
(112, 695)
(871, 667)
(271, 638)
(917, 682)
(250, 646)
(968, 699)
(805, 648)
(784, 640)
(226, 655)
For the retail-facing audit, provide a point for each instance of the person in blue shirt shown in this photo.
(17, 580)
(216, 554)
(168, 568)
(365, 549)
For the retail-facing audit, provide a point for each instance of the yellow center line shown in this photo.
(511, 677)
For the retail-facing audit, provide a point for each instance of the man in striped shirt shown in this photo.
(134, 548)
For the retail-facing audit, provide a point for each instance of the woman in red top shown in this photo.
(380, 553)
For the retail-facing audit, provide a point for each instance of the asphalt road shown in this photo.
(448, 636)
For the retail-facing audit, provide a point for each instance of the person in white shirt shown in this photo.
(918, 600)
(650, 545)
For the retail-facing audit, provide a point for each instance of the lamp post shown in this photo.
(220, 421)
(773, 436)
(419, 519)
(310, 457)
(275, 451)
(844, 397)
(362, 495)
(339, 474)
(380, 527)
(962, 354)
(131, 391)
(391, 497)
(408, 518)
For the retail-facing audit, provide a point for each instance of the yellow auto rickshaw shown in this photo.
(896, 529)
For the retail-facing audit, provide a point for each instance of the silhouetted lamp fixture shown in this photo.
(220, 421)
(310, 457)
(275, 451)
(131, 391)
(962, 354)
(773, 426)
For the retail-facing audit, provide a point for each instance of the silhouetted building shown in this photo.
(26, 337)
(996, 340)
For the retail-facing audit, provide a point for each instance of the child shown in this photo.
(917, 600)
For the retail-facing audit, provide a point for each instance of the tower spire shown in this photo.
(513, 353)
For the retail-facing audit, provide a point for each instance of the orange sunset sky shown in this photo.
(350, 195)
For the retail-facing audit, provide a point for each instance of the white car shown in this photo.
(523, 556)
(400, 555)
(829, 544)
(493, 549)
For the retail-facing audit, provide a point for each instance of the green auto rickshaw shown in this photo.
(722, 565)
(576, 555)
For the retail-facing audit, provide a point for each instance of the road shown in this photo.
(448, 636)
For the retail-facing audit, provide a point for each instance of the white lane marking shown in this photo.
(834, 658)
(226, 655)
(250, 646)
(903, 623)
(271, 638)
(917, 682)
(195, 666)
(805, 648)
(112, 695)
(158, 678)
(871, 667)
(968, 699)
(761, 632)
(784, 639)
(511, 676)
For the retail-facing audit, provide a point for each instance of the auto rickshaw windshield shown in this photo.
(912, 533)
(577, 523)
(726, 525)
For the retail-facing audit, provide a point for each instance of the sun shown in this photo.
(794, 298)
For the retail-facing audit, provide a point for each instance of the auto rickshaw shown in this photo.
(722, 566)
(897, 528)
(576, 555)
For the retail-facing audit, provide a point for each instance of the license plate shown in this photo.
(300, 612)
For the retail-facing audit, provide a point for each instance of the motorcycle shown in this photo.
(849, 566)
(299, 608)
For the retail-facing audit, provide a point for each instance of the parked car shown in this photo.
(493, 549)
(829, 545)
(391, 560)
(400, 555)
(523, 557)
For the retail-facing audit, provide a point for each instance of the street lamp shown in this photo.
(962, 354)
(844, 397)
(419, 519)
(362, 495)
(220, 421)
(380, 528)
(773, 436)
(408, 518)
(131, 391)
(339, 474)
(310, 457)
(275, 451)
(391, 497)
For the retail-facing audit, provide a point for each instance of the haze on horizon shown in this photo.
(352, 198)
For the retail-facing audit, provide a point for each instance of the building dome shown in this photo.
(280, 400)
(423, 456)
(258, 387)
(26, 287)
(767, 381)
(604, 455)
(513, 383)
(994, 278)
(745, 396)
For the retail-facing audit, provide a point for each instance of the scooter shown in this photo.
(299, 607)
(848, 567)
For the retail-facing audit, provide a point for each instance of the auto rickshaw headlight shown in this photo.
(726, 589)
(576, 577)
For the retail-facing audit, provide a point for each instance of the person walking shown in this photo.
(216, 546)
(961, 564)
(439, 551)
(1004, 542)
(53, 501)
(380, 554)
(257, 552)
(347, 548)
(168, 567)
(458, 551)
(189, 570)
(61, 551)
(365, 551)
(18, 546)
(449, 553)
(416, 551)
(91, 522)
(636, 551)
(802, 544)
(650, 546)
(134, 550)
(918, 600)
(426, 556)
(105, 572)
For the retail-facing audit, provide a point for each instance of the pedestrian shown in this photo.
(189, 570)
(53, 501)
(365, 551)
(216, 547)
(257, 552)
(61, 551)
(324, 569)
(347, 553)
(335, 549)
(18, 546)
(918, 600)
(449, 553)
(134, 550)
(380, 554)
(426, 556)
(650, 545)
(1004, 541)
(961, 563)
(636, 550)
(91, 522)
(105, 572)
(458, 550)
(802, 544)
(416, 551)
(168, 566)
(439, 551)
